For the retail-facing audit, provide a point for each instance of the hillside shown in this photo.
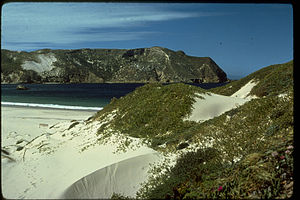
(155, 64)
(245, 152)
(272, 80)
(166, 141)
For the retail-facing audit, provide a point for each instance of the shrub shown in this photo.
(152, 112)
(252, 133)
(271, 80)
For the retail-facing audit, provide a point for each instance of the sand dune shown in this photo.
(124, 178)
(63, 158)
(244, 92)
(50, 163)
(212, 105)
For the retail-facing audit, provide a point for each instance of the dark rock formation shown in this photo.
(155, 64)
(21, 87)
(182, 146)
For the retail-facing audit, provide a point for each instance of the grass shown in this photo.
(211, 172)
(154, 112)
(113, 65)
(11, 62)
(246, 152)
(272, 80)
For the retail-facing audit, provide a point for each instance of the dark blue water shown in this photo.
(83, 95)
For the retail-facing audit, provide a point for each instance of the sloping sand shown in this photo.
(244, 92)
(124, 178)
(45, 64)
(51, 163)
(213, 105)
(68, 159)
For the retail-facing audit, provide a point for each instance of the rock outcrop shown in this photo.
(155, 64)
(21, 87)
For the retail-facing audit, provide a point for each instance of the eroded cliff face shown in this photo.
(155, 64)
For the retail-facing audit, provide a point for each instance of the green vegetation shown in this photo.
(118, 196)
(8, 65)
(141, 65)
(241, 162)
(154, 112)
(11, 62)
(246, 152)
(272, 80)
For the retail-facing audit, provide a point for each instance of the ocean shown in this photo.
(85, 96)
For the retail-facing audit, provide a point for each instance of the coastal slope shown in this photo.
(64, 159)
(155, 64)
(243, 149)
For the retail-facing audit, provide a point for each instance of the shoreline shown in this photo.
(29, 122)
(65, 148)
(10, 108)
(66, 108)
(74, 150)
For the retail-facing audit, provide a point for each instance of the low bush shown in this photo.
(271, 80)
(153, 111)
(259, 133)
(246, 152)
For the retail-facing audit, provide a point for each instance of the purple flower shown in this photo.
(290, 147)
(287, 151)
(282, 157)
(220, 188)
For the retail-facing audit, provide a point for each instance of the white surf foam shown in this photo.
(55, 106)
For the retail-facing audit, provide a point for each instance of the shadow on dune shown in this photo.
(123, 178)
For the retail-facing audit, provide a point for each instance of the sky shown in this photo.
(240, 38)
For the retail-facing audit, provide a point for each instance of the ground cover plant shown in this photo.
(154, 112)
(272, 80)
(246, 152)
(250, 158)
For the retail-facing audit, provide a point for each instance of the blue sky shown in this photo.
(240, 38)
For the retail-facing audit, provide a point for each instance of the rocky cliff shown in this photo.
(155, 64)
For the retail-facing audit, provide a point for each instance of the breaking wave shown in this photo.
(55, 106)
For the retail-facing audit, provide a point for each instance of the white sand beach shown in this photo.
(27, 123)
(57, 154)
(63, 154)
